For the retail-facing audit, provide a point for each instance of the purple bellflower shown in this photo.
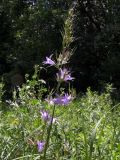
(49, 61)
(66, 99)
(45, 116)
(64, 75)
(40, 145)
(61, 100)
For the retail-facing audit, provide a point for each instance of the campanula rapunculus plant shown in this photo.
(61, 99)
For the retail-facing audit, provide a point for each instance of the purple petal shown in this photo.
(64, 75)
(45, 115)
(60, 100)
(68, 78)
(40, 145)
(49, 61)
(63, 100)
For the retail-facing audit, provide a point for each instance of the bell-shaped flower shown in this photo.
(45, 115)
(49, 61)
(40, 145)
(64, 75)
(47, 118)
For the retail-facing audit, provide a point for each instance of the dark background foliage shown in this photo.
(96, 32)
(31, 29)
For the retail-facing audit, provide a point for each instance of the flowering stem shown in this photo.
(48, 133)
(57, 88)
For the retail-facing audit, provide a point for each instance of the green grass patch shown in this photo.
(87, 129)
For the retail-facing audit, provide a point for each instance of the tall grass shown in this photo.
(87, 129)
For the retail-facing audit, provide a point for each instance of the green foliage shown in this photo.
(28, 31)
(1, 91)
(96, 30)
(87, 129)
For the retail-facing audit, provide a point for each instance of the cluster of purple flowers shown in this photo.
(63, 100)
(63, 75)
(60, 100)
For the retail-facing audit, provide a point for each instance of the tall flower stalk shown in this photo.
(48, 133)
(63, 75)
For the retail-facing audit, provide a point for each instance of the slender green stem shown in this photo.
(48, 133)
(50, 126)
